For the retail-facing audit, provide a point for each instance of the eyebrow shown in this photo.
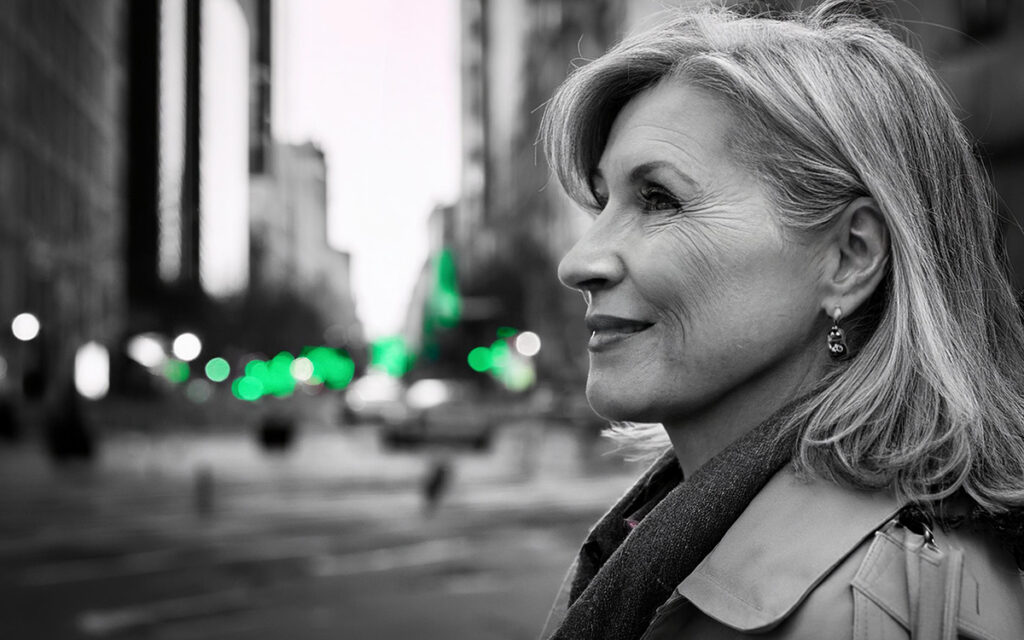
(642, 170)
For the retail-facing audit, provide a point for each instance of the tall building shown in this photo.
(63, 127)
(260, 15)
(127, 134)
(289, 249)
(188, 88)
(224, 149)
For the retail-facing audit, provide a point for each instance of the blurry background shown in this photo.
(282, 351)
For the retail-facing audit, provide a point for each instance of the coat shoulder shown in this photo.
(808, 553)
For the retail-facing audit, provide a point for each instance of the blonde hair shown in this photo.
(831, 106)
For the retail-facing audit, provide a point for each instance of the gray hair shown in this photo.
(830, 106)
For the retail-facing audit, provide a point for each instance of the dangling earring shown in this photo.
(837, 338)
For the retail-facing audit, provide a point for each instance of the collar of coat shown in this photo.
(791, 536)
(797, 531)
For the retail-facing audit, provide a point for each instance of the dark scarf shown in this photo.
(621, 579)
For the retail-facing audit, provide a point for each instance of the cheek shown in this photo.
(688, 270)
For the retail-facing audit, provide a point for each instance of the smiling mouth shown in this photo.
(607, 331)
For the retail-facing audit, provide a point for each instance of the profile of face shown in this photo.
(696, 294)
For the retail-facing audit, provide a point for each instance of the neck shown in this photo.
(699, 435)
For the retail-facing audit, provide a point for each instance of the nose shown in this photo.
(594, 263)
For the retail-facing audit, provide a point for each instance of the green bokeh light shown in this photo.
(506, 332)
(519, 376)
(480, 359)
(247, 388)
(332, 366)
(390, 355)
(218, 369)
(278, 379)
(500, 355)
(273, 377)
(256, 368)
(176, 371)
(445, 304)
(500, 362)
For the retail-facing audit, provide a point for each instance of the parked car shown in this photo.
(448, 412)
(375, 398)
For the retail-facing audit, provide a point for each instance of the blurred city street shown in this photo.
(193, 535)
(265, 264)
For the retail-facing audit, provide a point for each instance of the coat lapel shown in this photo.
(790, 537)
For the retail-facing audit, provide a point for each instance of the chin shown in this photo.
(619, 406)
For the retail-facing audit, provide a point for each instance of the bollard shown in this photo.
(276, 433)
(202, 491)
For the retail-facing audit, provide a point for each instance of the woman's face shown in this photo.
(696, 296)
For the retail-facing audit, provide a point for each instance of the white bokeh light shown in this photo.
(25, 327)
(187, 347)
(146, 349)
(92, 370)
(198, 390)
(301, 369)
(528, 343)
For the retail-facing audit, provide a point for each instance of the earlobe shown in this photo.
(861, 241)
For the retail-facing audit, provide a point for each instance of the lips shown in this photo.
(608, 330)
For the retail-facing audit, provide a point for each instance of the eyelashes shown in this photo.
(650, 196)
(656, 198)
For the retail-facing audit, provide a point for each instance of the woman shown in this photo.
(792, 268)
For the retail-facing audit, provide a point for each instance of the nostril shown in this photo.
(592, 284)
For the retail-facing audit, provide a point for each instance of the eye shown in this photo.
(656, 198)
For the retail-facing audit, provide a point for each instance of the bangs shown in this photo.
(579, 117)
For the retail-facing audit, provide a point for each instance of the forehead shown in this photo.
(671, 122)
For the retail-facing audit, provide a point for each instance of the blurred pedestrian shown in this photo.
(435, 484)
(10, 425)
(67, 435)
(791, 274)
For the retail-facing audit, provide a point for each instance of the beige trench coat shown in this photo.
(812, 560)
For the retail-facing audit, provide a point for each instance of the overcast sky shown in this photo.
(376, 84)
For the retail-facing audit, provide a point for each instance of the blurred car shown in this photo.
(448, 412)
(375, 398)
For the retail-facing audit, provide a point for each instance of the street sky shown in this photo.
(376, 84)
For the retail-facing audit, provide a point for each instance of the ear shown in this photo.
(860, 252)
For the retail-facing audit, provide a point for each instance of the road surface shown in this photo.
(203, 536)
